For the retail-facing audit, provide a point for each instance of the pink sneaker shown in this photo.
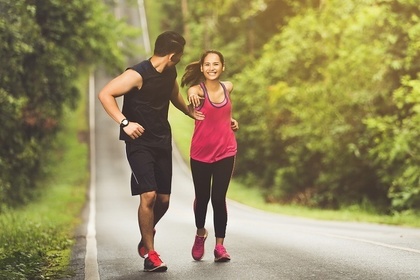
(220, 254)
(141, 249)
(198, 247)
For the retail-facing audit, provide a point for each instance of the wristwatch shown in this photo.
(124, 123)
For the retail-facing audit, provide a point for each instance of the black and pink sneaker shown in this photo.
(152, 263)
(220, 254)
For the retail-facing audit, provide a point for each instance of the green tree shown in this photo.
(45, 43)
(237, 28)
(304, 136)
(394, 132)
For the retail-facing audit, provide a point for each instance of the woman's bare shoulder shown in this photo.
(196, 89)
(228, 85)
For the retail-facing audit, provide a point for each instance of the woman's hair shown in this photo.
(169, 42)
(193, 75)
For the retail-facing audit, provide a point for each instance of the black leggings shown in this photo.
(212, 179)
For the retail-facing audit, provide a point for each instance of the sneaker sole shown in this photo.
(222, 259)
(161, 268)
(198, 259)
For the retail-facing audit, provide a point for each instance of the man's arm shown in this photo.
(179, 103)
(115, 88)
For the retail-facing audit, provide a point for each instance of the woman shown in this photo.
(213, 147)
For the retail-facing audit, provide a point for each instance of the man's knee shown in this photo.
(163, 200)
(148, 198)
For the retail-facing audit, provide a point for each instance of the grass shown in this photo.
(355, 213)
(36, 240)
(182, 128)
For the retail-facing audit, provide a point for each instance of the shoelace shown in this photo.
(154, 258)
(200, 240)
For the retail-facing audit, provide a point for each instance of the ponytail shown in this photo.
(192, 75)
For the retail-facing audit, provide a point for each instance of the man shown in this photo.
(147, 88)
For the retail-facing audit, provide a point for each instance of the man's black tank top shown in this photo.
(149, 105)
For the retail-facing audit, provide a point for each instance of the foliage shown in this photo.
(237, 28)
(36, 239)
(396, 151)
(309, 99)
(44, 44)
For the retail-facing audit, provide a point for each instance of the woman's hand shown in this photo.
(195, 99)
(234, 124)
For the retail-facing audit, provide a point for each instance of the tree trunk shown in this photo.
(185, 19)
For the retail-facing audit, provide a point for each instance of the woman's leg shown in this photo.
(201, 174)
(222, 173)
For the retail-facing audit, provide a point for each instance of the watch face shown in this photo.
(124, 123)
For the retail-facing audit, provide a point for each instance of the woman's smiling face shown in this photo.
(212, 66)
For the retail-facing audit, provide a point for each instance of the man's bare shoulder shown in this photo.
(132, 78)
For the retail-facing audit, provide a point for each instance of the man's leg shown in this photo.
(151, 209)
(146, 218)
(161, 206)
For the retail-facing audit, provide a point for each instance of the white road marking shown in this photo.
(373, 242)
(91, 257)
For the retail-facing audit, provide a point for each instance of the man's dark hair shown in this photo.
(169, 42)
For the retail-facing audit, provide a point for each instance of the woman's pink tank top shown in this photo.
(213, 137)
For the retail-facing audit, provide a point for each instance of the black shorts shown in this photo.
(151, 168)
